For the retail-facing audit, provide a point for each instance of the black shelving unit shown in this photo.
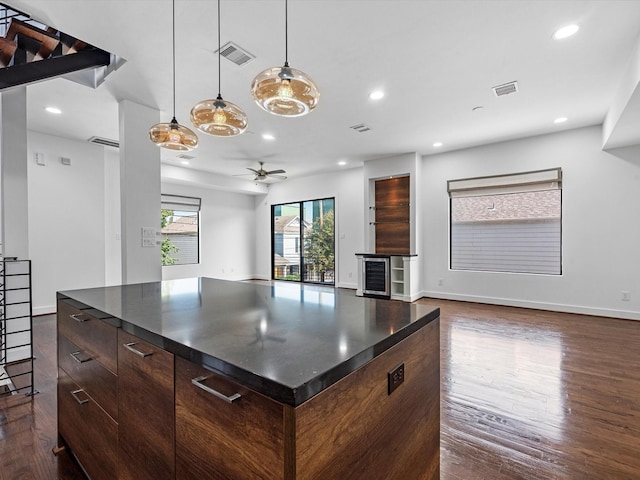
(16, 328)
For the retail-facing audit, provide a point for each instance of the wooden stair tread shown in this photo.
(7, 49)
(48, 41)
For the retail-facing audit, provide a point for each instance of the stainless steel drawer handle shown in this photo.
(129, 346)
(79, 317)
(198, 383)
(75, 393)
(76, 357)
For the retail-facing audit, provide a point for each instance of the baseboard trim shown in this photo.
(554, 307)
(49, 310)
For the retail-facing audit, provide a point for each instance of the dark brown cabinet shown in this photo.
(146, 410)
(91, 434)
(225, 430)
(87, 390)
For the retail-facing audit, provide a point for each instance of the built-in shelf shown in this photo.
(403, 276)
(391, 215)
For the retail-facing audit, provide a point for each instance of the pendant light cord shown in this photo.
(219, 74)
(173, 4)
(286, 34)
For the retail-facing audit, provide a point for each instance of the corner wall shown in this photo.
(66, 218)
(600, 227)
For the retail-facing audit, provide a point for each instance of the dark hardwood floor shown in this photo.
(526, 394)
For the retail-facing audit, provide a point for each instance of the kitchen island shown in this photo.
(205, 378)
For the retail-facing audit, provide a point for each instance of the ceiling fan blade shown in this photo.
(275, 171)
(254, 170)
(242, 174)
(279, 177)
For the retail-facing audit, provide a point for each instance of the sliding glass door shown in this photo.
(303, 241)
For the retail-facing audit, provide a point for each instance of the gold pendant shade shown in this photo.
(173, 136)
(285, 91)
(218, 117)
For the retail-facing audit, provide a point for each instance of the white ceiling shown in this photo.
(436, 61)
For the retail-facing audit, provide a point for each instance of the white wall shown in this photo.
(600, 227)
(112, 220)
(227, 235)
(66, 218)
(347, 187)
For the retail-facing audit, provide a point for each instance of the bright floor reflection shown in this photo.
(527, 385)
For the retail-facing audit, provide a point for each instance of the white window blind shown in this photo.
(180, 203)
(507, 223)
(500, 184)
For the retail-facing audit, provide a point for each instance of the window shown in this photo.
(507, 223)
(180, 229)
(303, 241)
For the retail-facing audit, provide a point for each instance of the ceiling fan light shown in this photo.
(285, 91)
(219, 118)
(173, 136)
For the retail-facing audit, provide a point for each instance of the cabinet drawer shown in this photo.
(146, 442)
(217, 439)
(91, 376)
(91, 434)
(92, 335)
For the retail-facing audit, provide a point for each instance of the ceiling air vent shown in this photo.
(236, 54)
(506, 89)
(104, 142)
(360, 128)
(184, 156)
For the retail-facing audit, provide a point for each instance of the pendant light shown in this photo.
(219, 117)
(172, 135)
(285, 91)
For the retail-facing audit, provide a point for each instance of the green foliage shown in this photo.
(167, 247)
(319, 244)
(292, 276)
(165, 216)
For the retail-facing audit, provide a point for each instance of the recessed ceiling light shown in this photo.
(342, 163)
(185, 162)
(565, 32)
(268, 136)
(560, 120)
(55, 110)
(376, 95)
(437, 144)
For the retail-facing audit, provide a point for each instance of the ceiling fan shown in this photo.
(262, 174)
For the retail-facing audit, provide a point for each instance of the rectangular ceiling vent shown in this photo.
(506, 89)
(360, 128)
(104, 142)
(184, 156)
(236, 54)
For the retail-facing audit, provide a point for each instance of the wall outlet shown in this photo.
(395, 377)
(440, 282)
(625, 296)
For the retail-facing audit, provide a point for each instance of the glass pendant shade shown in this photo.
(173, 136)
(219, 117)
(285, 91)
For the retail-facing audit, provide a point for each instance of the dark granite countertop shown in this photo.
(287, 341)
